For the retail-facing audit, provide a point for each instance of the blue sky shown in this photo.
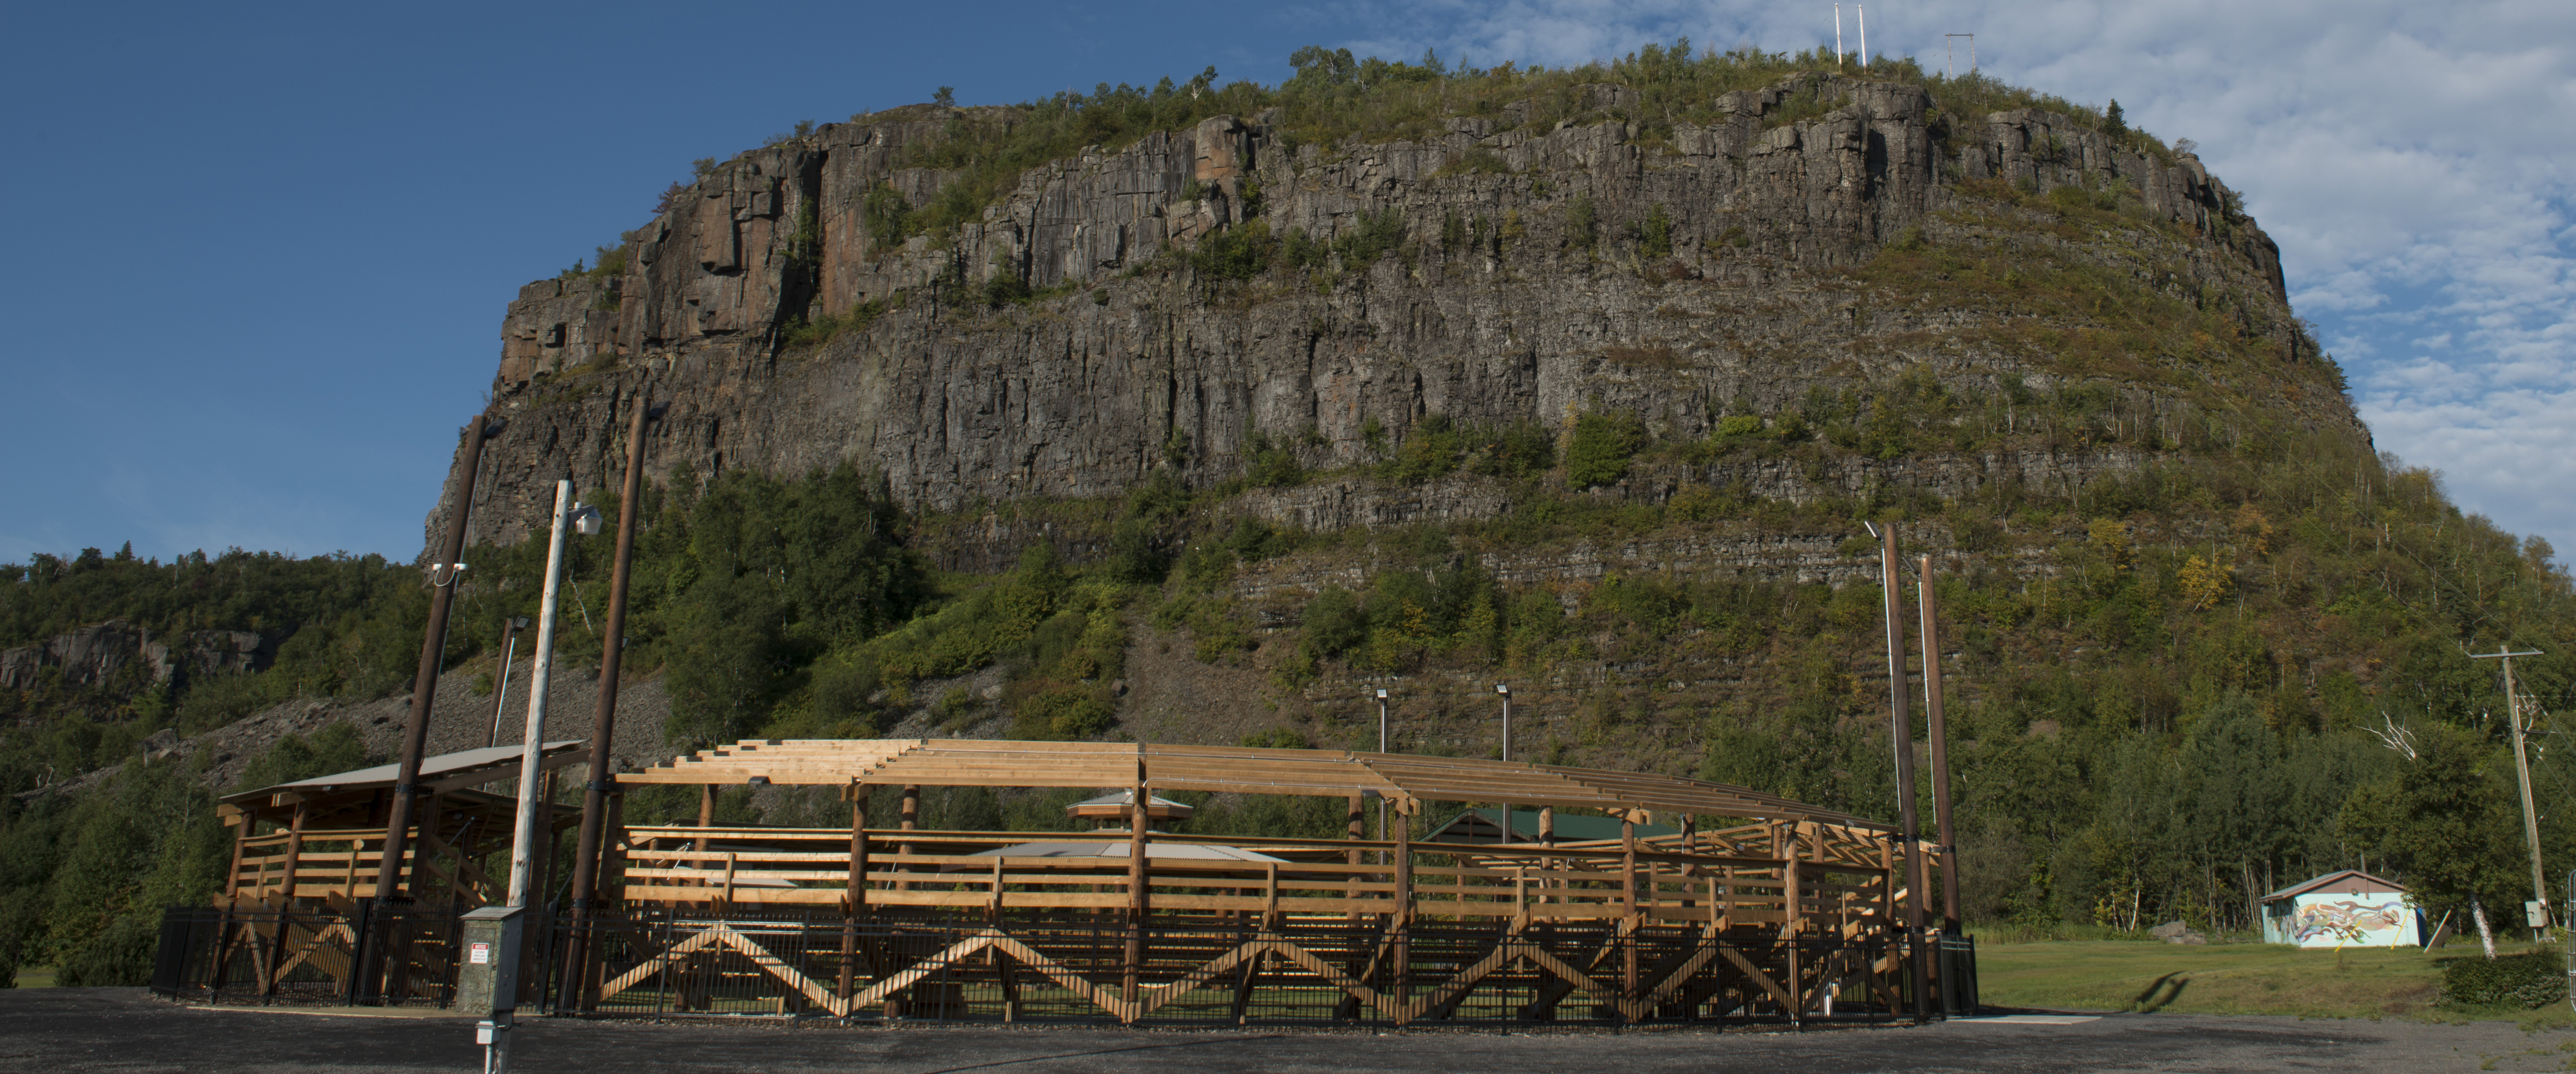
(259, 257)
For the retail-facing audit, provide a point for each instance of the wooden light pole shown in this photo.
(433, 650)
(1926, 603)
(1901, 731)
(594, 800)
(424, 688)
(2522, 772)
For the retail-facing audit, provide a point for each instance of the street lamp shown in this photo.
(510, 629)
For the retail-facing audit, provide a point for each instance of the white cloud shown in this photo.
(2414, 161)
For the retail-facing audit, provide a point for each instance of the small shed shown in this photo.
(2349, 908)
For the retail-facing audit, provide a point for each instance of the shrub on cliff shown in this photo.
(1236, 253)
(1600, 449)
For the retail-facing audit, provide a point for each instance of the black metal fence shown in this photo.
(1955, 989)
(375, 954)
(1070, 968)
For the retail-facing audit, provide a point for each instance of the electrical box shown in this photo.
(487, 967)
(2536, 914)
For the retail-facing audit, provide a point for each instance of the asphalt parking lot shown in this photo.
(129, 1030)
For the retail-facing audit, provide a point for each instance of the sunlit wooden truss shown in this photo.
(1738, 900)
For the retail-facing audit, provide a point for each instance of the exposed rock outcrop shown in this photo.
(93, 655)
(1525, 293)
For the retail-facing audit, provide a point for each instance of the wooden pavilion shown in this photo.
(1747, 905)
(305, 853)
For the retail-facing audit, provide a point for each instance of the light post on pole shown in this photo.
(1381, 748)
(510, 629)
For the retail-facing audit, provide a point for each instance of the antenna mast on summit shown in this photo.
(1950, 46)
(1838, 35)
(1862, 12)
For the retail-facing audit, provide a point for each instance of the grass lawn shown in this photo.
(36, 978)
(2231, 979)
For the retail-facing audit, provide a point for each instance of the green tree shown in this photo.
(2448, 821)
(726, 659)
(1334, 622)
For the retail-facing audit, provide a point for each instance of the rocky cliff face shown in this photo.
(1526, 289)
(95, 655)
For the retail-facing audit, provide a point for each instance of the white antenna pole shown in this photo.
(1863, 10)
(1838, 35)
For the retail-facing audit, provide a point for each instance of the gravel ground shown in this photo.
(129, 1030)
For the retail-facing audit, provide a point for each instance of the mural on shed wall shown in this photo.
(2323, 920)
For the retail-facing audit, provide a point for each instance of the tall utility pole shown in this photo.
(523, 840)
(594, 799)
(2522, 772)
(1901, 731)
(1926, 604)
(443, 576)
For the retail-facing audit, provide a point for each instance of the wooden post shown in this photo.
(422, 853)
(1628, 900)
(231, 933)
(1901, 736)
(232, 878)
(854, 899)
(294, 850)
(1928, 604)
(587, 854)
(1358, 828)
(911, 821)
(611, 863)
(1546, 838)
(1784, 845)
(1403, 907)
(1139, 897)
(706, 819)
(286, 904)
(1689, 833)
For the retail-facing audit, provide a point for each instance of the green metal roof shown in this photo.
(1479, 826)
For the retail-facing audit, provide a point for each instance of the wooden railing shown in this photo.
(1715, 881)
(334, 864)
